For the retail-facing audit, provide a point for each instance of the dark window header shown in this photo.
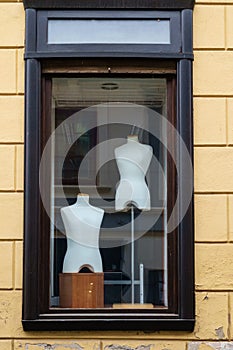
(110, 4)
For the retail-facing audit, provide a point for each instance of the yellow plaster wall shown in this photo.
(213, 137)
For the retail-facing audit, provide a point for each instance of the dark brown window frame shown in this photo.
(171, 180)
(36, 315)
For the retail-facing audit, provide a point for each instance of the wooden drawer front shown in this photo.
(81, 290)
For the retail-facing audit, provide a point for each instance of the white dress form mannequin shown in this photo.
(133, 160)
(82, 224)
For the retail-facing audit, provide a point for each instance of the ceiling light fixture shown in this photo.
(109, 86)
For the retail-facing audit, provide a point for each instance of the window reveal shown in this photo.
(120, 256)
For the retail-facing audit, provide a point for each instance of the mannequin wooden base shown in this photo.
(81, 290)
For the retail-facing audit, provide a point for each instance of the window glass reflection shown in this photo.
(125, 240)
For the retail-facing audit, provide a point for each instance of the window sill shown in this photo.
(51, 323)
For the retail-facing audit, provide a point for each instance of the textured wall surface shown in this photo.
(213, 136)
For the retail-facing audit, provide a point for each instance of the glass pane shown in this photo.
(109, 195)
(90, 31)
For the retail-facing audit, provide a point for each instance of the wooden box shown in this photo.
(81, 290)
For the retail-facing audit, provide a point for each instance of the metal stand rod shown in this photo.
(141, 274)
(132, 254)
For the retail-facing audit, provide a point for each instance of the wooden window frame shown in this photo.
(36, 315)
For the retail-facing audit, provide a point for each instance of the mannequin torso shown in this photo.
(133, 160)
(82, 224)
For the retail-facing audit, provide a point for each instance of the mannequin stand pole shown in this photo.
(132, 254)
(141, 279)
